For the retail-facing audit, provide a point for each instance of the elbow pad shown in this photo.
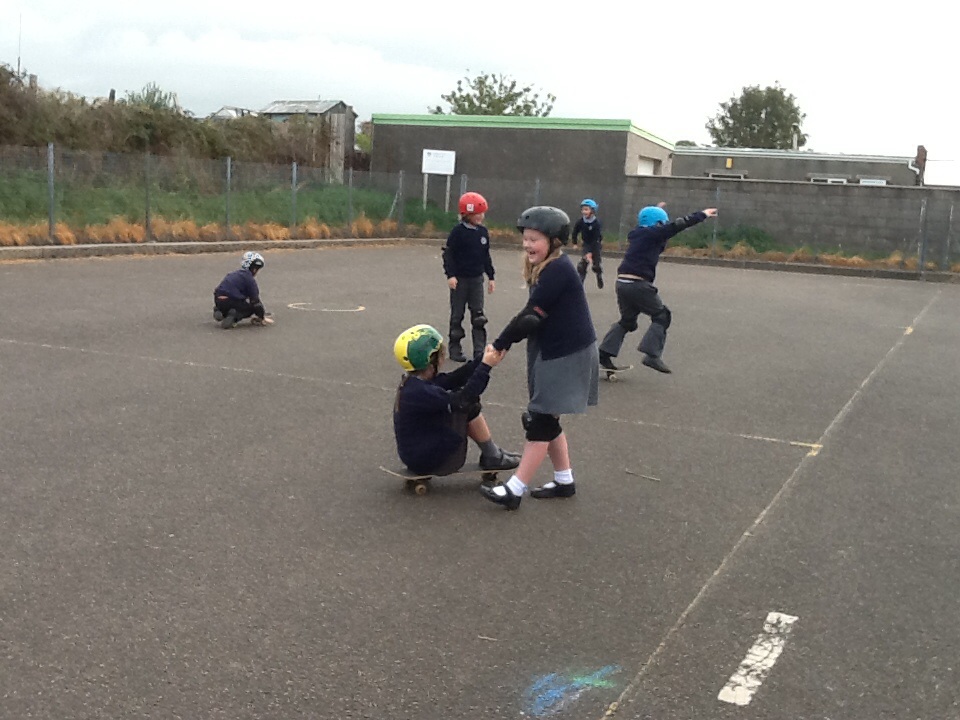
(521, 327)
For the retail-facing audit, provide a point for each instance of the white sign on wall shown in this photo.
(439, 162)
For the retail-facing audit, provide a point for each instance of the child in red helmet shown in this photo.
(466, 257)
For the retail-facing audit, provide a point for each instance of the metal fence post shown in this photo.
(400, 204)
(716, 204)
(146, 185)
(293, 196)
(50, 192)
(922, 249)
(229, 181)
(463, 184)
(946, 244)
(350, 197)
(536, 192)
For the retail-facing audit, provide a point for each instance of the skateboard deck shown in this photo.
(611, 375)
(420, 483)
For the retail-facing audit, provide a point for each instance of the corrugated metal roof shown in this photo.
(300, 107)
(231, 112)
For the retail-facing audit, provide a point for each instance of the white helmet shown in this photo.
(251, 261)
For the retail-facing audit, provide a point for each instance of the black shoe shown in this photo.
(558, 490)
(503, 461)
(606, 361)
(508, 499)
(457, 356)
(599, 281)
(655, 363)
(229, 320)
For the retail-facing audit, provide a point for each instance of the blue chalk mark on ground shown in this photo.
(549, 694)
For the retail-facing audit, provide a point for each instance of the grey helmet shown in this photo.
(552, 222)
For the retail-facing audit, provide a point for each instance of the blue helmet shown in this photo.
(652, 215)
(592, 204)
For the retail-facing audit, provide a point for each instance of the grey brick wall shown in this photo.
(851, 218)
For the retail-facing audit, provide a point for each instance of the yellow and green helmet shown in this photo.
(415, 346)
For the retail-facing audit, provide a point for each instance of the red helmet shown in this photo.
(472, 203)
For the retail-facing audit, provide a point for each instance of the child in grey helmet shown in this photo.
(636, 292)
(562, 366)
(238, 295)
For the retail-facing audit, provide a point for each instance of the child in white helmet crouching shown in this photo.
(237, 297)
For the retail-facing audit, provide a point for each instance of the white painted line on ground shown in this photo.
(631, 689)
(814, 448)
(759, 660)
(301, 306)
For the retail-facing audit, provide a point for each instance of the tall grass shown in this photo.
(24, 202)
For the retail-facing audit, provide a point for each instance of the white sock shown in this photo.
(563, 477)
(516, 485)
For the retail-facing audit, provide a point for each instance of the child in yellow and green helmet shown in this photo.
(434, 412)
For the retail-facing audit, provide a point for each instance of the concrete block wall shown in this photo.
(851, 218)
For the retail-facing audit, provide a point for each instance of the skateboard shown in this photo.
(420, 484)
(254, 320)
(611, 375)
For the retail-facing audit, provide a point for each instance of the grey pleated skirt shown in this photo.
(564, 385)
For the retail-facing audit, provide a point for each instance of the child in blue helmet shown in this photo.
(636, 293)
(434, 413)
(238, 296)
(588, 226)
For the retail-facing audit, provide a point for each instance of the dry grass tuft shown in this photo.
(387, 228)
(362, 227)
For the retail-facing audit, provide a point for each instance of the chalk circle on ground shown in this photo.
(305, 306)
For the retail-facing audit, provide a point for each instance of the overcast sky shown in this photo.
(877, 78)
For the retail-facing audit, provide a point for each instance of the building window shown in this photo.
(727, 175)
(829, 180)
(873, 181)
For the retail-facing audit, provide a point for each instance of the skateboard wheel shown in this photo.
(488, 477)
(420, 488)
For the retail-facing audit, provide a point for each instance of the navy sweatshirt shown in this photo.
(239, 285)
(467, 252)
(646, 244)
(591, 231)
(421, 416)
(566, 326)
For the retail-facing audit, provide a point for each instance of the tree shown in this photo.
(685, 143)
(492, 94)
(759, 118)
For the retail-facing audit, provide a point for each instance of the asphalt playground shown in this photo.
(194, 524)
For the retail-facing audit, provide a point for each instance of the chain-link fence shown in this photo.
(60, 196)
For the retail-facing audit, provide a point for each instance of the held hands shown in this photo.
(490, 287)
(452, 283)
(710, 212)
(492, 356)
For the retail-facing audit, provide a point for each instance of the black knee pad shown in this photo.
(473, 411)
(663, 318)
(629, 326)
(582, 265)
(541, 427)
(478, 321)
